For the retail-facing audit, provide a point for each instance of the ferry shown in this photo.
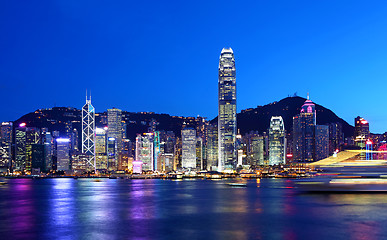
(350, 184)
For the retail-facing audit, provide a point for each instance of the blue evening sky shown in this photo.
(162, 56)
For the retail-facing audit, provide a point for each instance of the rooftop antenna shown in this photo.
(308, 96)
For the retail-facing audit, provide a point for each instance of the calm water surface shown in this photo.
(187, 209)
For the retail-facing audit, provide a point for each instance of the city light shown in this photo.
(22, 124)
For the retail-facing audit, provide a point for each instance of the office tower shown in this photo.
(6, 146)
(199, 154)
(25, 137)
(321, 142)
(32, 137)
(227, 111)
(212, 147)
(137, 167)
(169, 144)
(115, 129)
(124, 159)
(239, 147)
(277, 141)
(112, 154)
(101, 159)
(336, 136)
(362, 131)
(188, 140)
(88, 134)
(144, 151)
(49, 145)
(38, 157)
(256, 150)
(63, 154)
(20, 148)
(177, 154)
(156, 150)
(74, 139)
(79, 162)
(303, 133)
(166, 162)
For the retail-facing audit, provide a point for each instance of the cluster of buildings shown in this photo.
(202, 146)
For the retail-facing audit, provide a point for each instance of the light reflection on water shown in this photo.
(154, 209)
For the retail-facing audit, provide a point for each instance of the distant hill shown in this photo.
(258, 119)
(60, 118)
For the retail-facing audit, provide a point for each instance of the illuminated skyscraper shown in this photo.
(63, 154)
(277, 141)
(112, 163)
(5, 146)
(115, 130)
(100, 149)
(212, 147)
(227, 124)
(321, 142)
(188, 139)
(303, 133)
(88, 134)
(362, 131)
(144, 151)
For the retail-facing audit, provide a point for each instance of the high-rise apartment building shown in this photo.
(277, 141)
(227, 122)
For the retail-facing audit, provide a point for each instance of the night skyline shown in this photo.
(150, 57)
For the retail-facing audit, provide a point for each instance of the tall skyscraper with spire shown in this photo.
(227, 124)
(88, 134)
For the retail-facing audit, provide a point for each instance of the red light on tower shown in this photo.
(364, 121)
(369, 142)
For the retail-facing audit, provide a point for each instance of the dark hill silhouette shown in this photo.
(258, 119)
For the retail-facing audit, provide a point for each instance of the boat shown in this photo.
(237, 184)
